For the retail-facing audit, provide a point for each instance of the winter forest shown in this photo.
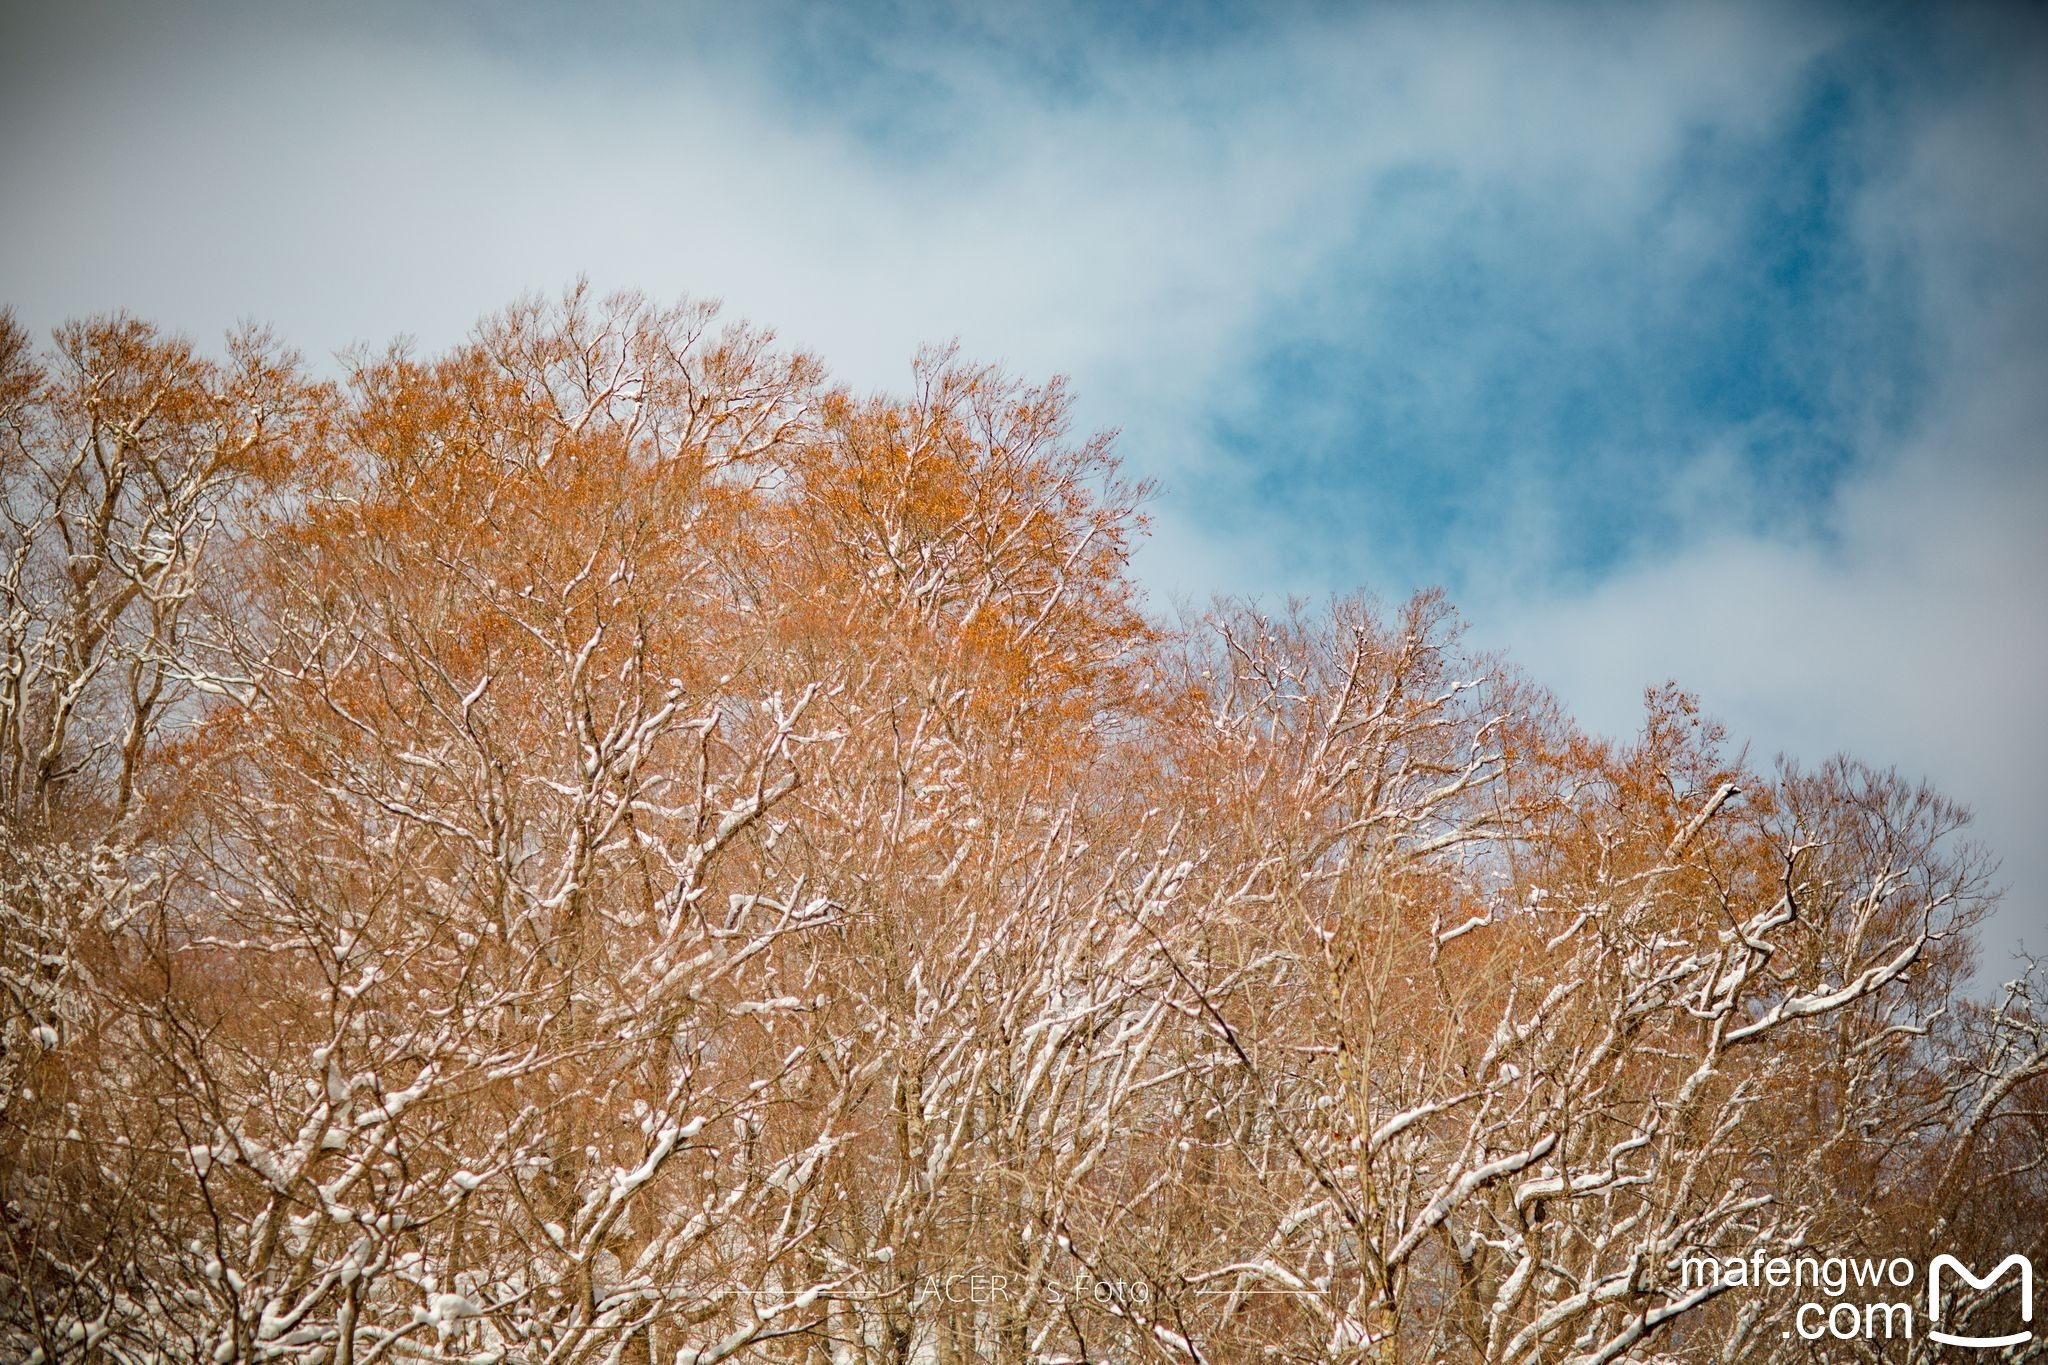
(604, 845)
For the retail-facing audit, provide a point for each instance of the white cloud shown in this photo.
(1917, 641)
(351, 184)
(384, 172)
(1916, 634)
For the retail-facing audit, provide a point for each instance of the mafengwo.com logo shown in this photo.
(2012, 1262)
(1951, 1293)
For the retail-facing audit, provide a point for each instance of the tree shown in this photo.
(601, 846)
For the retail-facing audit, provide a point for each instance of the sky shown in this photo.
(1693, 341)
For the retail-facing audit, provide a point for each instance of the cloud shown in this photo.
(1915, 640)
(1678, 339)
(1912, 631)
(361, 179)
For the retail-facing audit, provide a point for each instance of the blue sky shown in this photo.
(1704, 341)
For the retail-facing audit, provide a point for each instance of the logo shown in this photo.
(1847, 1303)
(2026, 1298)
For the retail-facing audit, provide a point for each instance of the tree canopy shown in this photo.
(603, 845)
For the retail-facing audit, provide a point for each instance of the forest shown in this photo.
(605, 845)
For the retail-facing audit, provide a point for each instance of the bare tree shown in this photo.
(599, 846)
